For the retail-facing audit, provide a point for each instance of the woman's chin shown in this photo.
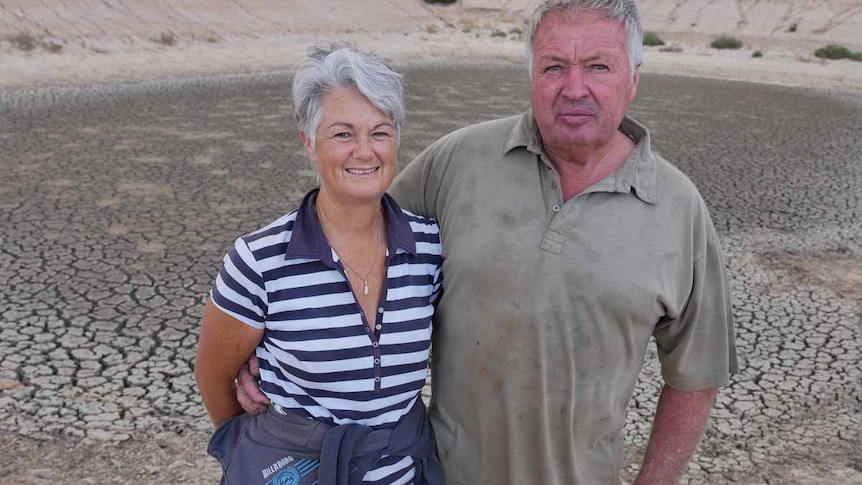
(358, 193)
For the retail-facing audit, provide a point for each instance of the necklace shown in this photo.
(373, 259)
(367, 273)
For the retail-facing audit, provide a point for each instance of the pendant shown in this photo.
(365, 290)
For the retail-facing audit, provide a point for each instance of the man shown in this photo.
(567, 244)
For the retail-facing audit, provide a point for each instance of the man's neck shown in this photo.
(581, 168)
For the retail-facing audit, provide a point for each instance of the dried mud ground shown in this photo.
(117, 203)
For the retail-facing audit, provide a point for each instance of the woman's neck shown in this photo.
(348, 220)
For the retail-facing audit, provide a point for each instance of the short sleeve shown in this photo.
(408, 188)
(418, 187)
(697, 349)
(239, 289)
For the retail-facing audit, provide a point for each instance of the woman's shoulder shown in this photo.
(278, 231)
(417, 219)
(426, 233)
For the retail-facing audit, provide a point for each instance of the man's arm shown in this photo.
(248, 393)
(680, 420)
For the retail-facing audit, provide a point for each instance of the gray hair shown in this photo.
(341, 65)
(623, 11)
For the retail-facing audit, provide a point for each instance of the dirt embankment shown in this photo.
(85, 41)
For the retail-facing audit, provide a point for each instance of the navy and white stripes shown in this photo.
(318, 358)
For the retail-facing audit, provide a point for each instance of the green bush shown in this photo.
(757, 54)
(834, 51)
(51, 47)
(652, 39)
(498, 33)
(726, 42)
(24, 42)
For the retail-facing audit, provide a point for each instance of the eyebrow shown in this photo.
(350, 125)
(600, 54)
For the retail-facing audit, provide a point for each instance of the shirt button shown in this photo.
(380, 310)
(376, 379)
(367, 329)
(376, 361)
(378, 327)
(553, 186)
(375, 344)
(556, 208)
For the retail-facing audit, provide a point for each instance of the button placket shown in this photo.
(562, 223)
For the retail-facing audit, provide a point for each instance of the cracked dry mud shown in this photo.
(117, 203)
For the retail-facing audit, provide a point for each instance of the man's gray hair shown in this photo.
(341, 65)
(623, 11)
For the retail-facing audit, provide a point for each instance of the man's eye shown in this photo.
(380, 134)
(553, 68)
(600, 67)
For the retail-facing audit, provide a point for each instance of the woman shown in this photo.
(336, 300)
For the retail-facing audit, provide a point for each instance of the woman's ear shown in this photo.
(306, 142)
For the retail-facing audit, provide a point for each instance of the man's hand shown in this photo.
(248, 393)
(680, 420)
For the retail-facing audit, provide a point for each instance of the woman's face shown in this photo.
(355, 148)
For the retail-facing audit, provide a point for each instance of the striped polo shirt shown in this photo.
(318, 358)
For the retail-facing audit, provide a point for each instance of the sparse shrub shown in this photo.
(757, 54)
(444, 2)
(165, 38)
(466, 30)
(652, 39)
(726, 42)
(498, 33)
(793, 27)
(52, 47)
(431, 29)
(670, 48)
(834, 51)
(516, 31)
(24, 42)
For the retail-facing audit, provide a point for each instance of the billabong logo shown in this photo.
(294, 473)
(288, 476)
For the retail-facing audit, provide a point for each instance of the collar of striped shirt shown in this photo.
(307, 240)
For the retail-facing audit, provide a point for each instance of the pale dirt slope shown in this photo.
(117, 40)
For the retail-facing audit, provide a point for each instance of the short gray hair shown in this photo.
(623, 11)
(341, 65)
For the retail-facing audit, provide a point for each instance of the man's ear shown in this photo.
(635, 78)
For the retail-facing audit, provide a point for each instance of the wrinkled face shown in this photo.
(355, 148)
(581, 84)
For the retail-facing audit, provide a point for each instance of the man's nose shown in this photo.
(575, 84)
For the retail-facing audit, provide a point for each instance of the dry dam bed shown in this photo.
(117, 203)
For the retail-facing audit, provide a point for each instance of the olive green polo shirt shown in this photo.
(548, 305)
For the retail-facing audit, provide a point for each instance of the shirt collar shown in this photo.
(638, 172)
(307, 240)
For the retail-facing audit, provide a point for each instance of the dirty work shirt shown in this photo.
(318, 357)
(548, 306)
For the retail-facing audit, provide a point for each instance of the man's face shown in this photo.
(581, 84)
